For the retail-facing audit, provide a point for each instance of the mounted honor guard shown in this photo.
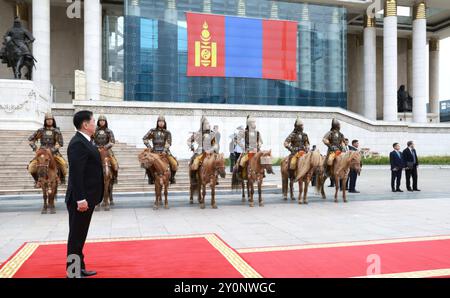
(298, 144)
(51, 138)
(161, 140)
(335, 142)
(104, 138)
(206, 143)
(252, 144)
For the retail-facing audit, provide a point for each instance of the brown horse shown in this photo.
(213, 165)
(308, 165)
(341, 167)
(158, 166)
(255, 173)
(48, 179)
(107, 180)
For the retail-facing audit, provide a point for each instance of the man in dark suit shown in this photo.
(84, 191)
(397, 165)
(411, 163)
(353, 175)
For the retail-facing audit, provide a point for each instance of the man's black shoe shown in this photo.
(84, 272)
(416, 189)
(399, 190)
(410, 189)
(394, 190)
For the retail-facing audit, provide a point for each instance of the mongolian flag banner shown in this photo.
(224, 46)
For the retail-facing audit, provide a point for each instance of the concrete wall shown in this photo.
(131, 120)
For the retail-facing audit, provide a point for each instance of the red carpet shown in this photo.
(184, 257)
(414, 257)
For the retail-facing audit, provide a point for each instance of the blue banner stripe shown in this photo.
(243, 47)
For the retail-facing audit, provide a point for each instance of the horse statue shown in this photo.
(255, 172)
(157, 165)
(16, 50)
(107, 180)
(309, 165)
(341, 167)
(208, 171)
(48, 179)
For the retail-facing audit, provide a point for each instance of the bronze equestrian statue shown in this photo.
(16, 52)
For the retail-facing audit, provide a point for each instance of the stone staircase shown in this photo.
(15, 154)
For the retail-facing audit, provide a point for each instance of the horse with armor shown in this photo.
(104, 138)
(50, 137)
(161, 140)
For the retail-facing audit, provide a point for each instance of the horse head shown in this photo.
(146, 159)
(45, 161)
(265, 159)
(219, 164)
(355, 161)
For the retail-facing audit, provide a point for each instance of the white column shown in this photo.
(434, 75)
(370, 69)
(390, 61)
(419, 64)
(92, 48)
(41, 46)
(358, 106)
(409, 79)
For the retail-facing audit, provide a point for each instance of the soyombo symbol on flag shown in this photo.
(223, 46)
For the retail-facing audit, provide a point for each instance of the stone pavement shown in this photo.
(376, 213)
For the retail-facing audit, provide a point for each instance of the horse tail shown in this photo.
(194, 181)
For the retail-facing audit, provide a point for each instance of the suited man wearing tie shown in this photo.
(353, 175)
(397, 165)
(84, 191)
(411, 163)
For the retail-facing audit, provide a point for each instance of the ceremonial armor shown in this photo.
(334, 140)
(161, 139)
(104, 137)
(206, 143)
(297, 143)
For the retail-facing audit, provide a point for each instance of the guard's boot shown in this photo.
(172, 178)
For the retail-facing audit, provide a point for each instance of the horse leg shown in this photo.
(213, 194)
(300, 190)
(52, 198)
(157, 190)
(291, 188)
(108, 196)
(322, 190)
(260, 199)
(166, 189)
(336, 185)
(45, 207)
(305, 190)
(111, 202)
(203, 195)
(243, 190)
(284, 184)
(344, 192)
(251, 188)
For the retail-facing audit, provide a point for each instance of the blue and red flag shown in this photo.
(225, 46)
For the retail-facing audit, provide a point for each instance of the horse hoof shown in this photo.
(261, 204)
(52, 211)
(335, 201)
(214, 206)
(252, 205)
(306, 203)
(191, 202)
(285, 198)
(300, 202)
(166, 207)
(345, 201)
(111, 203)
(107, 209)
(44, 211)
(293, 199)
(202, 206)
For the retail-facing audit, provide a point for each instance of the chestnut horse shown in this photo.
(107, 180)
(308, 165)
(48, 179)
(213, 165)
(256, 165)
(158, 166)
(341, 167)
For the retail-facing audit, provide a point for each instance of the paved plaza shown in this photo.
(376, 213)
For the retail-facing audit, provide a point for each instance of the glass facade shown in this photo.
(155, 57)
